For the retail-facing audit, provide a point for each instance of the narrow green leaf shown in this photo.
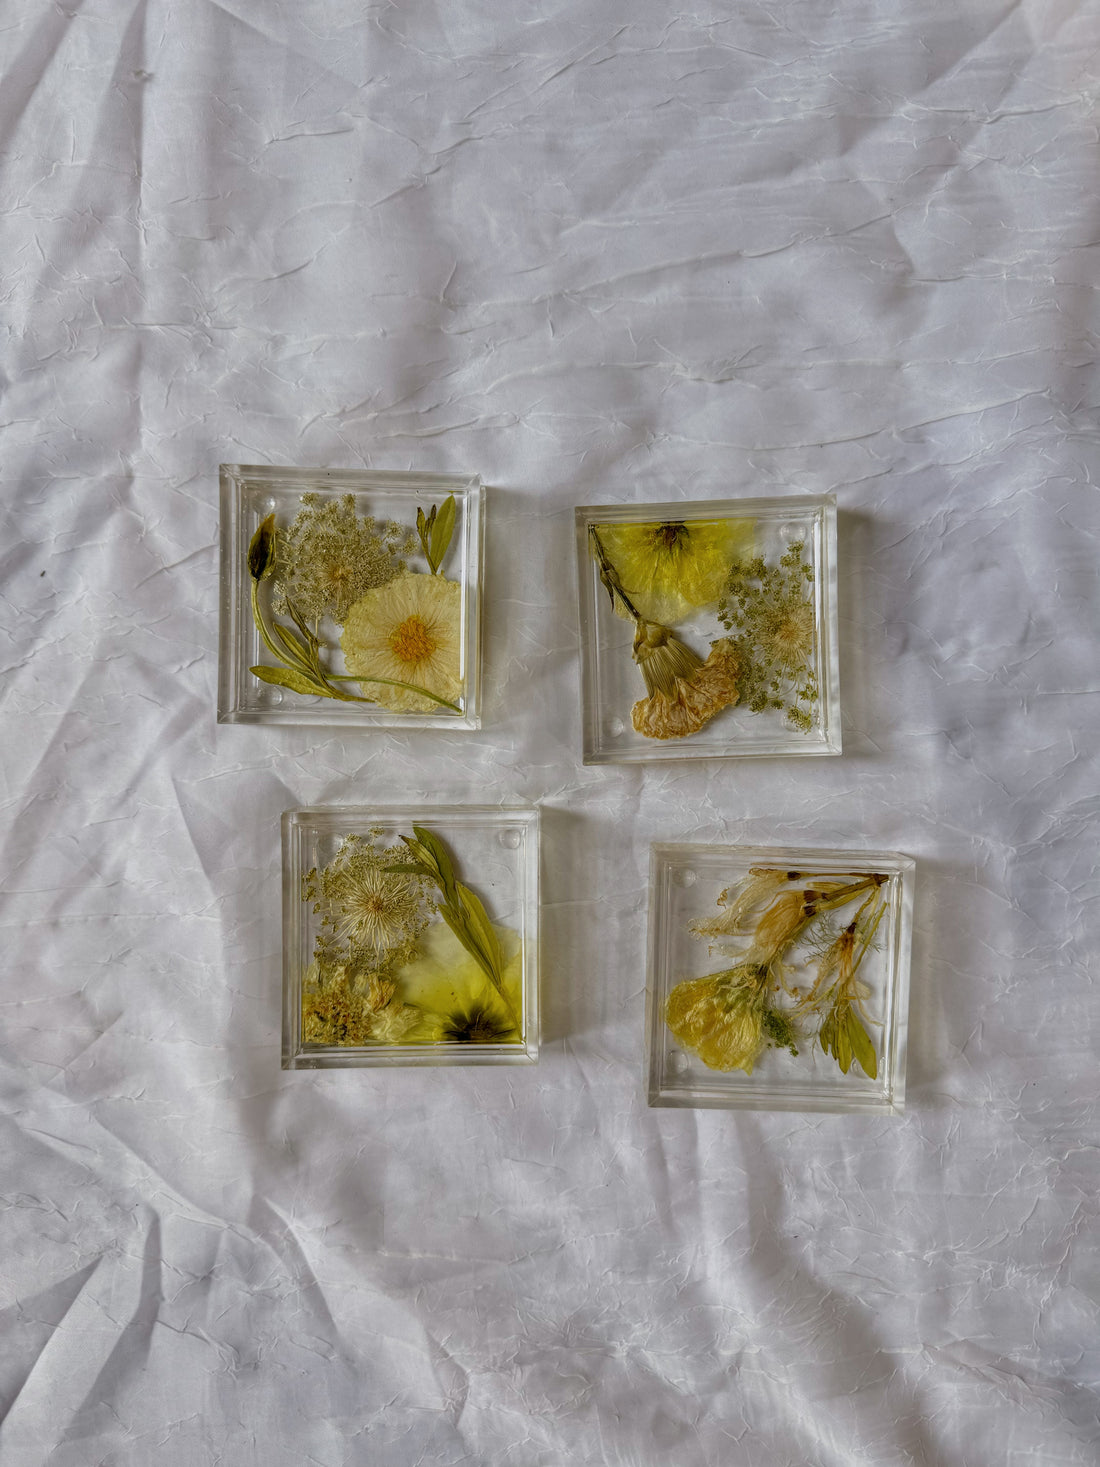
(482, 930)
(842, 1047)
(862, 1047)
(296, 648)
(308, 634)
(440, 857)
(288, 677)
(442, 531)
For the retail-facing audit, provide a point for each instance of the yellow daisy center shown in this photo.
(412, 640)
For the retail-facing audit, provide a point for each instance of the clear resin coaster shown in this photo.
(410, 937)
(778, 979)
(349, 598)
(708, 629)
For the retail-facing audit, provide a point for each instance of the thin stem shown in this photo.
(870, 935)
(284, 654)
(610, 576)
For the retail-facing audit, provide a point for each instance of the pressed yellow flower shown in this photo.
(721, 1018)
(694, 700)
(411, 632)
(459, 1001)
(761, 884)
(783, 921)
(670, 569)
(662, 658)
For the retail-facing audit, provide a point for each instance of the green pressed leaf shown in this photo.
(435, 853)
(454, 921)
(825, 1035)
(288, 677)
(842, 1046)
(461, 909)
(862, 1047)
(441, 531)
(261, 550)
(295, 648)
(482, 930)
(308, 635)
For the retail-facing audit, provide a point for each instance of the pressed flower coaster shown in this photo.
(778, 979)
(349, 598)
(708, 629)
(410, 937)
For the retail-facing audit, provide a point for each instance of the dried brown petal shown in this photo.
(694, 699)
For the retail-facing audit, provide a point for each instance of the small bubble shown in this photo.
(685, 878)
(510, 838)
(677, 1062)
(615, 727)
(269, 505)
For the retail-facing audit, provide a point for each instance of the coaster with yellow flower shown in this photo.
(778, 979)
(349, 598)
(410, 937)
(708, 629)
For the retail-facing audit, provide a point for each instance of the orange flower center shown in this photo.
(412, 641)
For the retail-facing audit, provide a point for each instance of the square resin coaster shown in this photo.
(708, 629)
(778, 979)
(410, 937)
(349, 598)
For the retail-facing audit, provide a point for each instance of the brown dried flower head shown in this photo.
(689, 700)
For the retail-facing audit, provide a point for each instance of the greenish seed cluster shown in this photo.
(769, 612)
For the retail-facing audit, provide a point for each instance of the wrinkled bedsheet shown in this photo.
(591, 251)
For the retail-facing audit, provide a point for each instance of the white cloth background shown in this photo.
(592, 250)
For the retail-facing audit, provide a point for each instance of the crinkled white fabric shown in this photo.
(592, 250)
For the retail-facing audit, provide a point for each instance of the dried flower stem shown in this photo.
(659, 653)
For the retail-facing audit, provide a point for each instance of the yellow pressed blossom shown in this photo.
(691, 699)
(672, 568)
(760, 885)
(721, 1018)
(456, 996)
(411, 632)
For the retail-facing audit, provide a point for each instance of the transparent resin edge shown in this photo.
(340, 820)
(235, 621)
(784, 744)
(888, 1099)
